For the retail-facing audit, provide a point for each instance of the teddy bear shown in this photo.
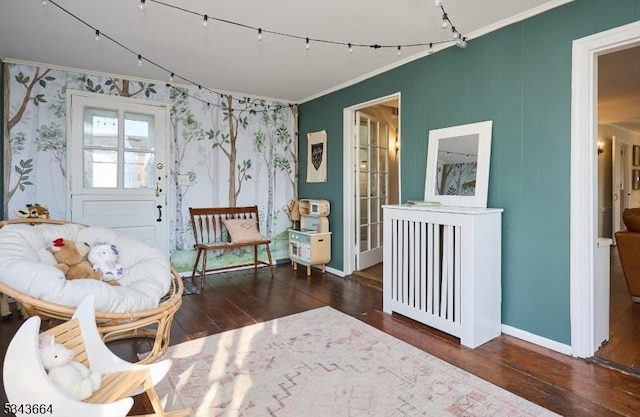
(71, 261)
(103, 257)
(33, 211)
(72, 377)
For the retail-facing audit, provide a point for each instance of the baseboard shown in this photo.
(337, 272)
(537, 340)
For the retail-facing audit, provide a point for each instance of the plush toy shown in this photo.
(33, 211)
(104, 258)
(71, 261)
(72, 377)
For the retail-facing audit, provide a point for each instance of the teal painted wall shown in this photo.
(519, 77)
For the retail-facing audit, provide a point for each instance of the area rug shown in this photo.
(323, 363)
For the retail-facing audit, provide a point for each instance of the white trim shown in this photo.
(475, 34)
(335, 271)
(583, 209)
(537, 340)
(348, 210)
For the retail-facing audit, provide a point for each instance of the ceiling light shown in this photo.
(205, 21)
(141, 5)
(97, 37)
(259, 34)
(307, 45)
(139, 60)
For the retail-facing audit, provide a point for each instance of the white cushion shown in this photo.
(27, 265)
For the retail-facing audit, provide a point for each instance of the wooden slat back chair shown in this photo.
(210, 234)
(26, 380)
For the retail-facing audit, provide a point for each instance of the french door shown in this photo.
(117, 166)
(372, 176)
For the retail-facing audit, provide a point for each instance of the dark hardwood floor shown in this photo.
(623, 347)
(565, 385)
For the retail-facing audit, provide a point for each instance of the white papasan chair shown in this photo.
(142, 306)
(27, 384)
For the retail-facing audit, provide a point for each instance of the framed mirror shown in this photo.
(458, 165)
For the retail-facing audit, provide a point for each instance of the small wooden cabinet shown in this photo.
(311, 245)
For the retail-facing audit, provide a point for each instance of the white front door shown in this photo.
(117, 159)
(372, 156)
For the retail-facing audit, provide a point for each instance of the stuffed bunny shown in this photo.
(103, 258)
(72, 377)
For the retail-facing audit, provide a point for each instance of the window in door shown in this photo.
(118, 149)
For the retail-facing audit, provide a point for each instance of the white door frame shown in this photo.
(164, 108)
(348, 189)
(584, 182)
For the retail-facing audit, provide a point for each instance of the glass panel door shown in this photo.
(371, 190)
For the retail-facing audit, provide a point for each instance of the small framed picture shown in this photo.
(636, 155)
(635, 180)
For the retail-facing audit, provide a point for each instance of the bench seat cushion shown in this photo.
(243, 230)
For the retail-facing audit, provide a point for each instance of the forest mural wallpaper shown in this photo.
(224, 150)
(456, 179)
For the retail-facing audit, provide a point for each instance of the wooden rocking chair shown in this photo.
(26, 381)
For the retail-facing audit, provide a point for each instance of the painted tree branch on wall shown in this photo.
(117, 86)
(51, 139)
(237, 118)
(182, 121)
(272, 142)
(25, 167)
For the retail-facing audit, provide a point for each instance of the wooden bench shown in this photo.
(211, 233)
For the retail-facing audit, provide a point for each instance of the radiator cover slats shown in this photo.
(443, 269)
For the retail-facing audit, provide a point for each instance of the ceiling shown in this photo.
(227, 56)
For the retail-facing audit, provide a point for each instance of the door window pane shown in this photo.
(375, 243)
(138, 169)
(375, 206)
(118, 157)
(383, 160)
(364, 133)
(100, 128)
(138, 132)
(374, 132)
(364, 214)
(100, 168)
(364, 238)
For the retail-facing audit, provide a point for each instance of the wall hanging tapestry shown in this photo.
(317, 157)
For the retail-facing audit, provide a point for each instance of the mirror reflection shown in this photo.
(458, 159)
(457, 165)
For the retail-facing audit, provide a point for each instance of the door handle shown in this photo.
(159, 207)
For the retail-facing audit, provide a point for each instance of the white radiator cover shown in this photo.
(442, 267)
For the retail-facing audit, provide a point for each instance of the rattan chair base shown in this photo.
(153, 323)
